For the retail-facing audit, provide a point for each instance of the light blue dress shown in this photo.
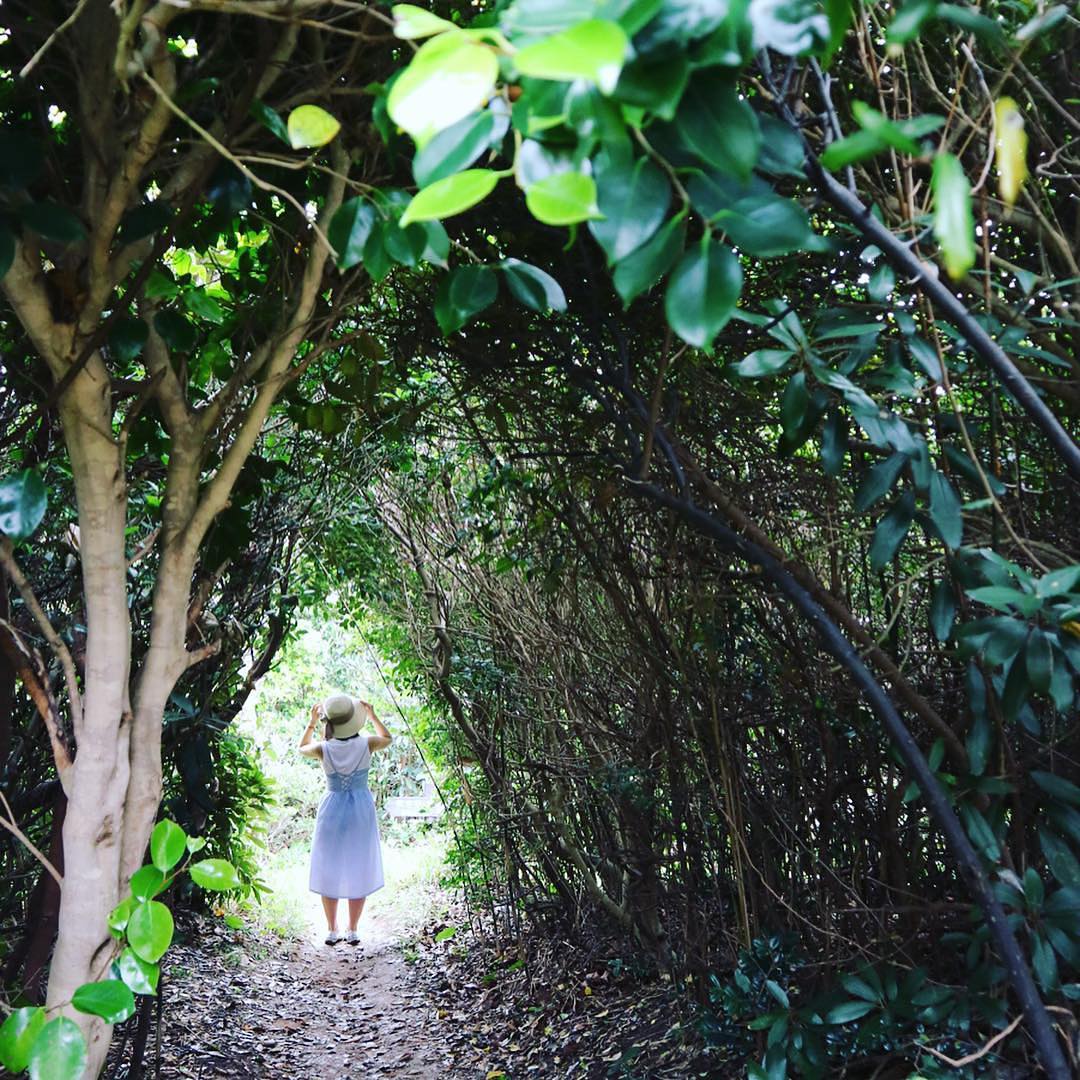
(346, 860)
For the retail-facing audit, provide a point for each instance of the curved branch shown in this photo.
(937, 802)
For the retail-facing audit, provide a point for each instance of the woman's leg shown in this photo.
(329, 906)
(356, 909)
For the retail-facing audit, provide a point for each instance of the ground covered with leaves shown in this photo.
(244, 1005)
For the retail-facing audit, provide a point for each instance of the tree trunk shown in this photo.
(98, 782)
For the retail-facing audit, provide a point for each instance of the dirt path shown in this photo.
(239, 1008)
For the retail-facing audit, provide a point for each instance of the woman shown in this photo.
(345, 856)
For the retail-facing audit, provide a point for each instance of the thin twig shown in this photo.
(51, 39)
(9, 824)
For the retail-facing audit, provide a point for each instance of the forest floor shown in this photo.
(251, 1003)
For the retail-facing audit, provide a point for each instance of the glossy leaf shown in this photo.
(145, 884)
(111, 999)
(1039, 660)
(412, 22)
(834, 443)
(1010, 149)
(269, 119)
(218, 875)
(451, 195)
(891, 530)
(532, 286)
(349, 230)
(53, 222)
(767, 226)
(954, 225)
(593, 50)
(848, 1011)
(763, 362)
(718, 126)
(449, 77)
(23, 501)
(17, 1036)
(945, 509)
(140, 976)
(634, 201)
(943, 610)
(563, 199)
(645, 266)
(59, 1052)
(702, 293)
(908, 21)
(150, 930)
(879, 481)
(175, 330)
(463, 294)
(310, 126)
(456, 147)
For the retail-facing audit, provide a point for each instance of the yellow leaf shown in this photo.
(494, 1074)
(1071, 627)
(1010, 151)
(588, 991)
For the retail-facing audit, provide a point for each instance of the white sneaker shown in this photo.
(352, 938)
(333, 937)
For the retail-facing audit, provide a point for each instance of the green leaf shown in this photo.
(1057, 787)
(168, 843)
(138, 975)
(532, 286)
(145, 220)
(1039, 660)
(563, 199)
(794, 403)
(1058, 582)
(767, 226)
(23, 501)
(455, 148)
(145, 884)
(982, 836)
(1059, 858)
(943, 610)
(834, 443)
(349, 230)
(945, 509)
(53, 222)
(891, 530)
(954, 225)
(127, 338)
(176, 331)
(411, 22)
(463, 294)
(593, 50)
(204, 306)
(449, 77)
(878, 482)
(195, 843)
(1044, 963)
(451, 195)
(110, 999)
(762, 363)
(269, 119)
(118, 917)
(234, 922)
(218, 875)
(908, 21)
(309, 127)
(17, 1036)
(446, 933)
(719, 127)
(848, 1011)
(59, 1052)
(634, 202)
(655, 85)
(643, 268)
(974, 22)
(150, 930)
(702, 292)
(1003, 598)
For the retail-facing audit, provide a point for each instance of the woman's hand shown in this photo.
(315, 710)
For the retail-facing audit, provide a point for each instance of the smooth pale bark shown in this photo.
(98, 782)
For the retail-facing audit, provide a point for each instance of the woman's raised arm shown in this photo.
(307, 747)
(382, 737)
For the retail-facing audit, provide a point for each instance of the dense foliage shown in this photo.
(731, 530)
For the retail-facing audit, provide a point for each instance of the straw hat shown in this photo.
(343, 714)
